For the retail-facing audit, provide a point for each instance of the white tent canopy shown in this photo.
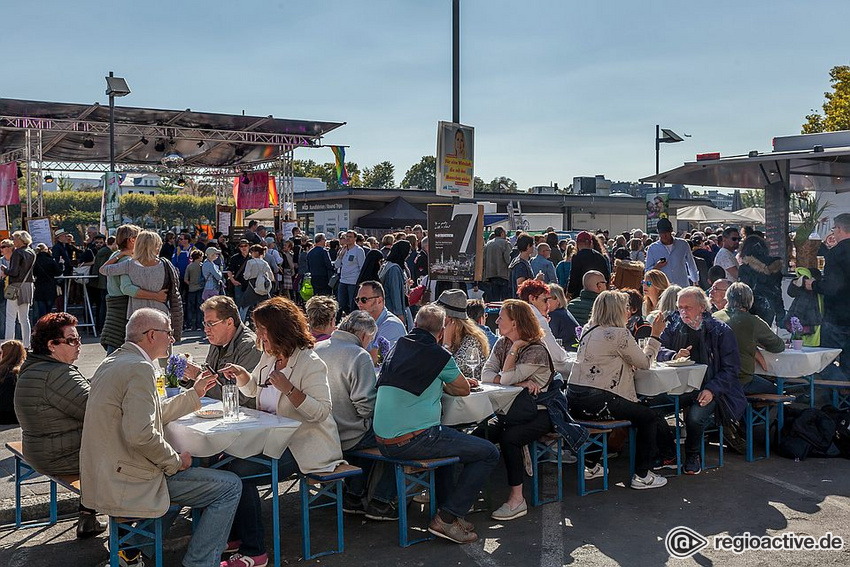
(703, 214)
(262, 215)
(756, 214)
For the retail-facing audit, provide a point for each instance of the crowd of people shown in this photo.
(362, 356)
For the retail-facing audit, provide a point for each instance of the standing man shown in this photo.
(407, 422)
(320, 267)
(520, 267)
(181, 260)
(542, 263)
(726, 257)
(672, 256)
(349, 262)
(128, 467)
(251, 233)
(585, 260)
(497, 258)
(835, 288)
(236, 270)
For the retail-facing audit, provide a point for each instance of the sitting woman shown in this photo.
(462, 337)
(636, 324)
(561, 322)
(667, 306)
(602, 381)
(12, 356)
(654, 283)
(518, 359)
(50, 401)
(536, 294)
(290, 381)
(321, 316)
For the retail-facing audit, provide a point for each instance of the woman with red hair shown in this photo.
(536, 293)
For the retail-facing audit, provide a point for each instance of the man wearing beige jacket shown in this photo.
(127, 466)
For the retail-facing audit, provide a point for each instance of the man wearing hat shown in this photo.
(585, 260)
(61, 253)
(672, 256)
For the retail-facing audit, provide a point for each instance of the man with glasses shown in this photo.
(349, 262)
(717, 294)
(370, 298)
(835, 288)
(231, 342)
(130, 468)
(726, 257)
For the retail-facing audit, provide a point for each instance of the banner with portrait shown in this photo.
(657, 208)
(456, 242)
(455, 153)
(110, 202)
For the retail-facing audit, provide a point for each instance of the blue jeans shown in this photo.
(345, 297)
(193, 309)
(478, 457)
(759, 385)
(217, 492)
(836, 336)
(248, 525)
(500, 289)
(697, 418)
(384, 485)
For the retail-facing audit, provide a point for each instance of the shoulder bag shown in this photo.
(13, 290)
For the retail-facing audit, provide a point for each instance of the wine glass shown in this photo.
(473, 360)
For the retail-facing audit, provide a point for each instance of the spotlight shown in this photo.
(239, 151)
(201, 144)
(171, 140)
(181, 182)
(144, 141)
(48, 178)
(88, 143)
(160, 145)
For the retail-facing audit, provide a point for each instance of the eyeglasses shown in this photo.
(70, 341)
(363, 300)
(168, 332)
(211, 324)
(647, 283)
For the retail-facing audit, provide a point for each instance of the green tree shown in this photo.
(138, 206)
(752, 198)
(381, 176)
(836, 109)
(478, 184)
(422, 174)
(502, 185)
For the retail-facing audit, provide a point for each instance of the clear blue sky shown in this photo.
(554, 89)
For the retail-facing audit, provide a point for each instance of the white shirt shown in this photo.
(558, 354)
(726, 259)
(269, 396)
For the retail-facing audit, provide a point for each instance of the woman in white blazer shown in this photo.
(290, 381)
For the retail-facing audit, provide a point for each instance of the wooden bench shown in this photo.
(546, 449)
(329, 489)
(758, 413)
(597, 442)
(411, 476)
(24, 474)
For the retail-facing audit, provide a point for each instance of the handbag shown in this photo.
(524, 407)
(82, 271)
(13, 290)
(333, 282)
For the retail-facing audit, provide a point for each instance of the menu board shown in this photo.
(39, 229)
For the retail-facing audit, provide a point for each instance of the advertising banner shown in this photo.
(455, 242)
(455, 172)
(111, 210)
(657, 208)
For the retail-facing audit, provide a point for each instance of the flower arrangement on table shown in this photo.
(175, 369)
(796, 329)
(579, 330)
(383, 346)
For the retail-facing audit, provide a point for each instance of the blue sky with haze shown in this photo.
(554, 89)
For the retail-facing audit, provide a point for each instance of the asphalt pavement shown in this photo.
(774, 497)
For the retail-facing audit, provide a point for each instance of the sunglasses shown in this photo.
(70, 341)
(363, 300)
(647, 283)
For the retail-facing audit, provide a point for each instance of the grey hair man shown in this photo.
(351, 376)
(124, 453)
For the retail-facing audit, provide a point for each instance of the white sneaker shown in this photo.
(651, 480)
(596, 472)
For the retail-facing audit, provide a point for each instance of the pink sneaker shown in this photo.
(233, 546)
(239, 560)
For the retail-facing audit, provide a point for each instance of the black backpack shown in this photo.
(842, 429)
(808, 434)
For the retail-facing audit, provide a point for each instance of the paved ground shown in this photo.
(620, 527)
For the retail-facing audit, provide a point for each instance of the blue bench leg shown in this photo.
(604, 461)
(748, 422)
(305, 518)
(402, 504)
(113, 543)
(158, 544)
(632, 452)
(340, 536)
(275, 513)
(18, 481)
(580, 467)
(535, 476)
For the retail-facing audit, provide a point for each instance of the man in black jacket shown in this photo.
(320, 267)
(835, 288)
(583, 261)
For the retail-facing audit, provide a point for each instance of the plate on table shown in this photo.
(210, 413)
(680, 362)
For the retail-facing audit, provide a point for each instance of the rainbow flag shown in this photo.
(273, 202)
(341, 173)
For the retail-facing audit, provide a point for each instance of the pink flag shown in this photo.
(9, 184)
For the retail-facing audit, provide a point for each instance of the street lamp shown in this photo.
(664, 136)
(115, 86)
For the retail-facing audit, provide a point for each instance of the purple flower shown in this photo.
(175, 369)
(383, 348)
(796, 328)
(578, 333)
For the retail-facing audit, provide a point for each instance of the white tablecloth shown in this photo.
(255, 433)
(669, 380)
(478, 406)
(796, 363)
(662, 379)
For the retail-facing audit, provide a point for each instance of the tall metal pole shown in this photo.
(456, 61)
(111, 130)
(657, 155)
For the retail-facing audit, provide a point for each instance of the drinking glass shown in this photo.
(642, 343)
(560, 342)
(473, 360)
(230, 402)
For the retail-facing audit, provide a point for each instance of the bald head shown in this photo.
(593, 281)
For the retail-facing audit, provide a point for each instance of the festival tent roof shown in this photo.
(756, 214)
(702, 214)
(398, 213)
